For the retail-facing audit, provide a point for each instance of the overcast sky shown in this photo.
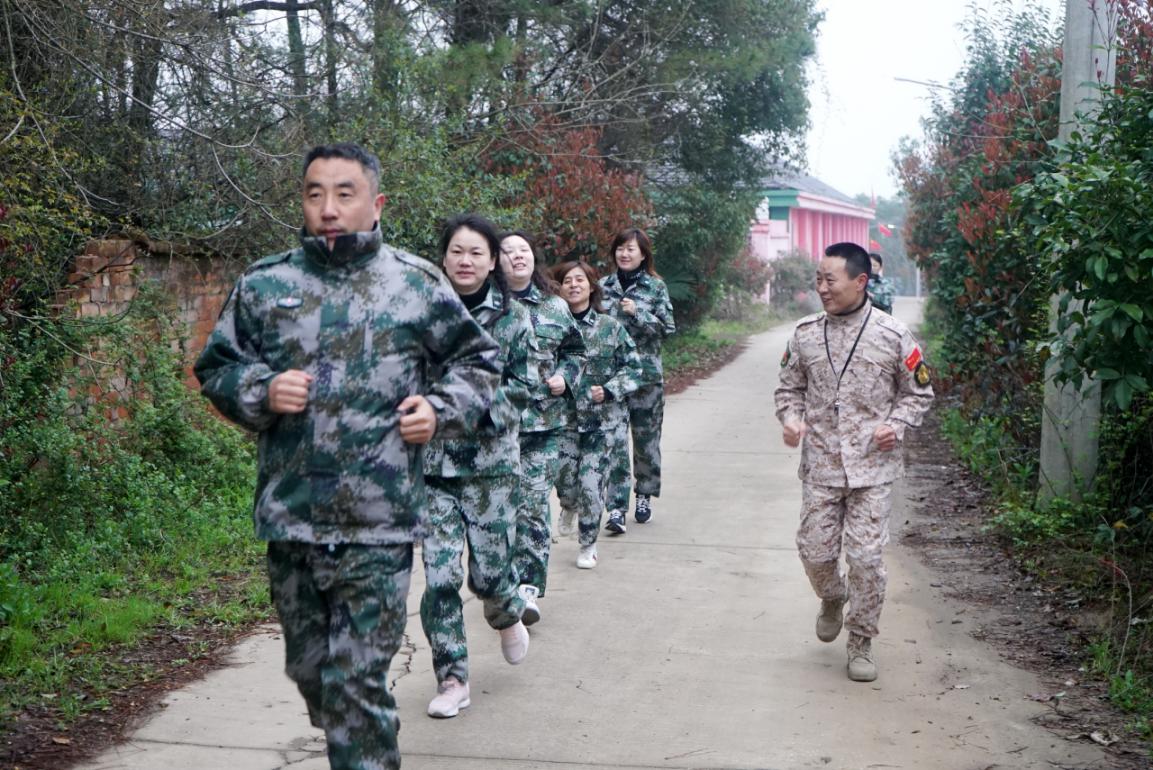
(859, 110)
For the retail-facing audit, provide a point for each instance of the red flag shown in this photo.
(874, 245)
(884, 230)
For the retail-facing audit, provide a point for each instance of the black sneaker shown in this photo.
(644, 510)
(616, 523)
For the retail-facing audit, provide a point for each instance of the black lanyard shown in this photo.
(845, 368)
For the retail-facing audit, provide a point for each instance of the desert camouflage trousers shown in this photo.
(646, 415)
(539, 463)
(342, 608)
(585, 461)
(479, 511)
(858, 518)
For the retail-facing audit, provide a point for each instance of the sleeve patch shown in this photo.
(913, 359)
(785, 358)
(921, 374)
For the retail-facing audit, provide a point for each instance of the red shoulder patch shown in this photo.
(913, 359)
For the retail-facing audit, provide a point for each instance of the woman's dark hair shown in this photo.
(487, 230)
(595, 293)
(540, 276)
(644, 243)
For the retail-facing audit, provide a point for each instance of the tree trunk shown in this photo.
(328, 11)
(296, 60)
(389, 41)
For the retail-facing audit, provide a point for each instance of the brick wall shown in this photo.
(105, 279)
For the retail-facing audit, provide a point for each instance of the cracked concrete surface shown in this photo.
(690, 646)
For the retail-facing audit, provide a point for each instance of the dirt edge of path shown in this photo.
(1044, 629)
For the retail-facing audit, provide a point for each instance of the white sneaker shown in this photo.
(567, 522)
(531, 611)
(451, 697)
(514, 642)
(588, 557)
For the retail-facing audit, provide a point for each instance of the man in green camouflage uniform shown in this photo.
(557, 364)
(853, 381)
(321, 351)
(474, 479)
(881, 289)
(599, 418)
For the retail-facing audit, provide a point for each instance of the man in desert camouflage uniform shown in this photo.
(853, 380)
(322, 351)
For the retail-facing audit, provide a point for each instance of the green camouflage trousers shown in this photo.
(342, 608)
(860, 519)
(646, 414)
(539, 464)
(479, 510)
(585, 461)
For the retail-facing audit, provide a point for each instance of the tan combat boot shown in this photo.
(861, 665)
(830, 619)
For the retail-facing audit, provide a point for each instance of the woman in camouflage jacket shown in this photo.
(599, 422)
(637, 297)
(557, 365)
(473, 477)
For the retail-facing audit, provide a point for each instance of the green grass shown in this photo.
(690, 348)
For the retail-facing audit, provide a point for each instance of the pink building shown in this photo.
(803, 214)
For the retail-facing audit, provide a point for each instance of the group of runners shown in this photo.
(401, 401)
(580, 365)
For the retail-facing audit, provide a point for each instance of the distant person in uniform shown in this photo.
(853, 381)
(639, 299)
(881, 289)
(599, 423)
(322, 351)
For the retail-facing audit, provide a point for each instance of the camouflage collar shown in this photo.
(614, 281)
(352, 249)
(590, 318)
(493, 298)
(535, 295)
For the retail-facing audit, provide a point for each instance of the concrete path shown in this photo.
(690, 646)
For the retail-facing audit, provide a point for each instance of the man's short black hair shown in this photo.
(876, 256)
(856, 258)
(348, 151)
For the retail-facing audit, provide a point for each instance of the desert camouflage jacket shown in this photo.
(492, 448)
(368, 322)
(885, 381)
(651, 324)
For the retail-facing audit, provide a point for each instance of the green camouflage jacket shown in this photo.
(367, 322)
(613, 363)
(651, 324)
(881, 292)
(492, 448)
(560, 350)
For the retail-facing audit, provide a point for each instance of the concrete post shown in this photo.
(1071, 419)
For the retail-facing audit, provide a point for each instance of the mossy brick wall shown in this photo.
(106, 277)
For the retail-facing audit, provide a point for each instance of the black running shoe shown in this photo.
(616, 523)
(644, 510)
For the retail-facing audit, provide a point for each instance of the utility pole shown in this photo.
(1071, 420)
